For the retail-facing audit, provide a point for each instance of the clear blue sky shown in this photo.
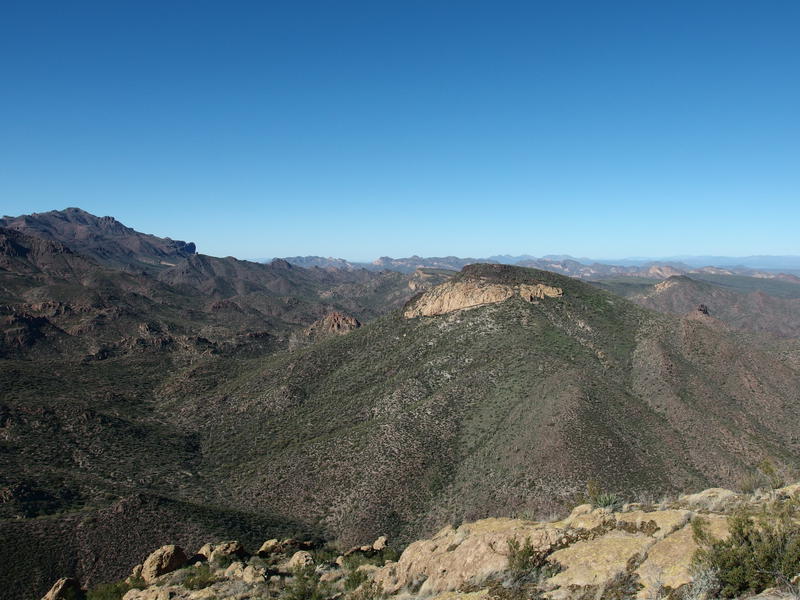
(359, 129)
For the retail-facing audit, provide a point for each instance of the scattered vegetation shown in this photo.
(762, 550)
(305, 585)
(599, 498)
(200, 577)
(354, 579)
(526, 563)
(369, 591)
(115, 590)
(764, 477)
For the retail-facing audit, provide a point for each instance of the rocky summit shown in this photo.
(603, 549)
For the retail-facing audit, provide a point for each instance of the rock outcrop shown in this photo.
(65, 588)
(164, 560)
(640, 551)
(462, 295)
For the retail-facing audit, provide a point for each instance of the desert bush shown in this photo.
(113, 591)
(599, 498)
(526, 564)
(763, 477)
(762, 551)
(199, 577)
(304, 585)
(354, 579)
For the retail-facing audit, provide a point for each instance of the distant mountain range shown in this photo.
(782, 267)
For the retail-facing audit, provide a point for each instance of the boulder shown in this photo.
(301, 558)
(379, 544)
(251, 574)
(65, 588)
(164, 560)
(231, 550)
(269, 547)
(235, 570)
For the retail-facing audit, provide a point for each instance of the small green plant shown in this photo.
(354, 579)
(200, 578)
(115, 590)
(599, 498)
(761, 551)
(523, 557)
(305, 585)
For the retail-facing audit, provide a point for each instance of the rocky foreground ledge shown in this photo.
(635, 550)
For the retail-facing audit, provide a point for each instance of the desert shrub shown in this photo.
(599, 498)
(323, 555)
(113, 591)
(379, 558)
(354, 579)
(762, 551)
(369, 591)
(523, 557)
(305, 585)
(199, 578)
(705, 583)
(763, 477)
(526, 564)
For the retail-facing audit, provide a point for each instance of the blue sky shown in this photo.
(359, 129)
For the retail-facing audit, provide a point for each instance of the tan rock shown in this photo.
(235, 570)
(251, 574)
(595, 563)
(468, 555)
(379, 544)
(539, 291)
(659, 523)
(230, 549)
(301, 558)
(206, 550)
(669, 560)
(713, 499)
(269, 547)
(462, 295)
(65, 588)
(164, 560)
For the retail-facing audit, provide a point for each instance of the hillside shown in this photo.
(735, 303)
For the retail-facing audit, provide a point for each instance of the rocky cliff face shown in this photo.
(463, 295)
(635, 550)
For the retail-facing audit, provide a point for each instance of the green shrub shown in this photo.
(113, 591)
(526, 563)
(305, 585)
(762, 551)
(199, 578)
(354, 579)
(599, 498)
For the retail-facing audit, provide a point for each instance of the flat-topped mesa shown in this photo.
(463, 295)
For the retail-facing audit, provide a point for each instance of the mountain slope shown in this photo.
(102, 238)
(407, 423)
(748, 311)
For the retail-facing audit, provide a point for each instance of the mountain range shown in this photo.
(151, 395)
